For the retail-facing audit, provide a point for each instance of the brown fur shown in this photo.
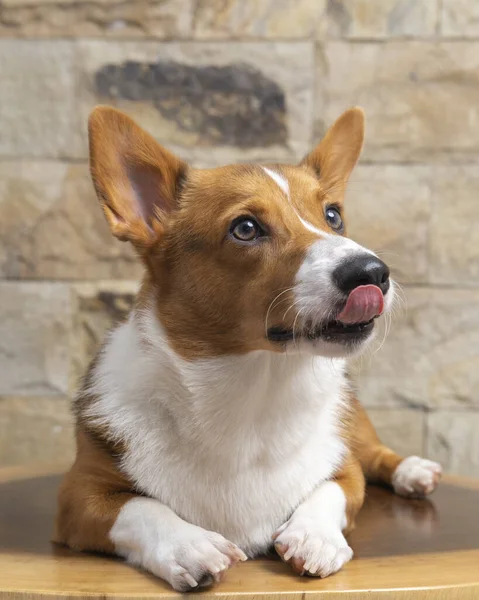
(90, 498)
(210, 294)
(378, 462)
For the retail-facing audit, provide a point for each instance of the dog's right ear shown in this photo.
(137, 180)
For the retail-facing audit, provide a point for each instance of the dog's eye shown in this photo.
(246, 229)
(333, 217)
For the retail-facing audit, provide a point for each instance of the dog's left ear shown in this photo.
(137, 181)
(335, 156)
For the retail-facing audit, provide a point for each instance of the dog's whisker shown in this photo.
(387, 326)
(400, 300)
(294, 325)
(295, 303)
(387, 253)
(270, 308)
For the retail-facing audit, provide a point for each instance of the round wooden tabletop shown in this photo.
(404, 549)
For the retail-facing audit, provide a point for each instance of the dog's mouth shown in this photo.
(331, 331)
(353, 323)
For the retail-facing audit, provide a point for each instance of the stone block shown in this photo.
(35, 338)
(452, 440)
(36, 430)
(400, 429)
(163, 19)
(39, 115)
(421, 98)
(212, 103)
(52, 226)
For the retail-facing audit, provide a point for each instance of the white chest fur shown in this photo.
(232, 444)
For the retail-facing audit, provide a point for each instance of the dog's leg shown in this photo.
(411, 476)
(150, 535)
(99, 512)
(312, 540)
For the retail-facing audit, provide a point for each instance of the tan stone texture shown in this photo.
(35, 338)
(52, 226)
(421, 97)
(377, 19)
(38, 110)
(460, 18)
(164, 19)
(400, 429)
(453, 440)
(232, 19)
(36, 430)
(454, 231)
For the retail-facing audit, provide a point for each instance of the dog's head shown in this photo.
(243, 257)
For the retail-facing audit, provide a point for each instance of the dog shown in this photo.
(218, 421)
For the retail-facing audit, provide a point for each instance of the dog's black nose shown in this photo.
(362, 269)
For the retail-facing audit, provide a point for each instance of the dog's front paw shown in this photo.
(312, 549)
(416, 477)
(192, 559)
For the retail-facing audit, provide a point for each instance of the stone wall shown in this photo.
(225, 80)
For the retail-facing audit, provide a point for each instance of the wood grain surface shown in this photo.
(404, 549)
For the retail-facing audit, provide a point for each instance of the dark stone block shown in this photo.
(116, 305)
(339, 15)
(233, 105)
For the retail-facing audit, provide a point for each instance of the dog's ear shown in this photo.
(137, 181)
(335, 156)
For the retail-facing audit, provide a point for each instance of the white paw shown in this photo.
(416, 476)
(191, 558)
(312, 549)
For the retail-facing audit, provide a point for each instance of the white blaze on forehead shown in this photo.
(281, 181)
(283, 184)
(312, 228)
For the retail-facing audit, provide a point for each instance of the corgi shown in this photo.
(217, 422)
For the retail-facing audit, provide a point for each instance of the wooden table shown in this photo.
(404, 549)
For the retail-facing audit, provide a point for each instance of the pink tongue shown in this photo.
(364, 303)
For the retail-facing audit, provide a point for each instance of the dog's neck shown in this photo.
(271, 399)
